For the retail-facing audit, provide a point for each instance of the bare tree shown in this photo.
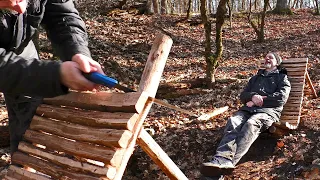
(282, 7)
(149, 7)
(230, 7)
(317, 7)
(164, 7)
(155, 6)
(213, 59)
(258, 25)
(189, 9)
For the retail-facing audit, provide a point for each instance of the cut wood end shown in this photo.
(216, 112)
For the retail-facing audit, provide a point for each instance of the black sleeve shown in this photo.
(281, 95)
(246, 94)
(29, 77)
(65, 29)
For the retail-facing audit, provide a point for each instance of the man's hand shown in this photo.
(258, 100)
(71, 72)
(86, 64)
(250, 104)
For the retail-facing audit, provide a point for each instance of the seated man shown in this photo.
(263, 99)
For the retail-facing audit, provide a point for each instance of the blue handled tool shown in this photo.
(112, 83)
(106, 81)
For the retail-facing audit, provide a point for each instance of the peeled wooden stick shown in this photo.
(216, 112)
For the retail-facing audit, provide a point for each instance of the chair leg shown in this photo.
(156, 153)
(314, 93)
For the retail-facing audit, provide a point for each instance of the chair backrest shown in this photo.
(297, 69)
(85, 135)
(80, 135)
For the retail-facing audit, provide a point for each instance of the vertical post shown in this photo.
(155, 64)
(314, 93)
(148, 84)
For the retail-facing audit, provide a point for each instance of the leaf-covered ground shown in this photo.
(121, 42)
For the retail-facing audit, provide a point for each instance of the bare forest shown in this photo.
(217, 47)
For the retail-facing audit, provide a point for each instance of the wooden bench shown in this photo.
(298, 77)
(92, 135)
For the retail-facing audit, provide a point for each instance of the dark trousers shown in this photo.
(20, 111)
(242, 129)
(21, 108)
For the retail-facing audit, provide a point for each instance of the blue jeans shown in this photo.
(242, 129)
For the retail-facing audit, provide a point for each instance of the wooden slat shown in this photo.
(116, 120)
(297, 84)
(98, 153)
(295, 98)
(296, 94)
(48, 168)
(295, 60)
(287, 108)
(286, 118)
(296, 79)
(15, 172)
(301, 73)
(297, 89)
(107, 137)
(292, 101)
(292, 113)
(68, 163)
(296, 69)
(291, 122)
(102, 101)
(294, 65)
(292, 105)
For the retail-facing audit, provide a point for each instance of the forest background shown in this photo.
(216, 48)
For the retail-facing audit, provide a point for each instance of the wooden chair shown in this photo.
(298, 76)
(92, 135)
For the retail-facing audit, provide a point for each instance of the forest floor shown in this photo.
(121, 42)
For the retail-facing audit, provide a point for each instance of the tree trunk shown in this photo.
(263, 16)
(189, 9)
(317, 8)
(155, 6)
(164, 7)
(230, 7)
(149, 7)
(207, 52)
(213, 60)
(221, 11)
(243, 5)
(282, 7)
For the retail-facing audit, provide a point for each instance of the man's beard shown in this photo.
(267, 65)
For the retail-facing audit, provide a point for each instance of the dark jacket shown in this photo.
(274, 85)
(31, 76)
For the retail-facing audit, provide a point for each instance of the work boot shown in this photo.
(218, 165)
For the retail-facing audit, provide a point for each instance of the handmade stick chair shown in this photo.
(92, 135)
(298, 76)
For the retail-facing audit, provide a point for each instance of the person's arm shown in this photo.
(280, 96)
(65, 29)
(246, 94)
(29, 77)
(67, 33)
